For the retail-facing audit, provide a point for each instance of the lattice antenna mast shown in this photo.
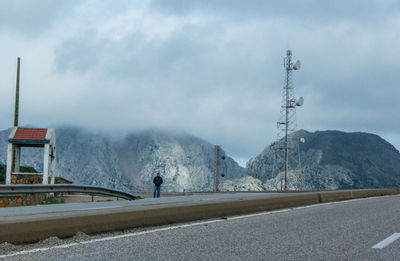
(287, 122)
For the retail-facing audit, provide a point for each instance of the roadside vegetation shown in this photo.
(2, 173)
(23, 169)
(52, 200)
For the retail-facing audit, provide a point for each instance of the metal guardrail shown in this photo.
(61, 188)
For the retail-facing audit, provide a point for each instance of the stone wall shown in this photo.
(31, 199)
(18, 200)
(35, 179)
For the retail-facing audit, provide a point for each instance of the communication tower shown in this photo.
(286, 145)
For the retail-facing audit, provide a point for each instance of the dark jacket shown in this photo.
(157, 181)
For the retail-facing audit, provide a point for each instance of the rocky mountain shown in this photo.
(130, 162)
(189, 161)
(327, 160)
(246, 183)
(332, 160)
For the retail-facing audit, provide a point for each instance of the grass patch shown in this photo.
(49, 201)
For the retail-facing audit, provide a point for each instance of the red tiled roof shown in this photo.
(30, 134)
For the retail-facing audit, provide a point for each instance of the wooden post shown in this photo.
(16, 111)
(16, 115)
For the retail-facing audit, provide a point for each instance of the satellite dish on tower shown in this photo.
(300, 101)
(297, 65)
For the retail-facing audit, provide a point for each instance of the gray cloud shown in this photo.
(194, 66)
(306, 10)
(79, 54)
(31, 18)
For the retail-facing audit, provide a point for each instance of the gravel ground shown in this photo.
(7, 248)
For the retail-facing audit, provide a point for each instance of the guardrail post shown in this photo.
(92, 197)
(24, 200)
(62, 197)
(117, 198)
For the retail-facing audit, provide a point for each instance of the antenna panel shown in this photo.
(297, 65)
(300, 101)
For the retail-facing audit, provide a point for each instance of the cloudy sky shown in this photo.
(209, 68)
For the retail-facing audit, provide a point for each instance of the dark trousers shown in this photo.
(156, 191)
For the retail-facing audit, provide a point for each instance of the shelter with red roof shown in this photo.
(31, 137)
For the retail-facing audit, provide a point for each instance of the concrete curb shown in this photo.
(26, 229)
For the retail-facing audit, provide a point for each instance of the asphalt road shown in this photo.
(333, 231)
(87, 206)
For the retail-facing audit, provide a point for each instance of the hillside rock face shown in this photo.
(247, 183)
(129, 163)
(333, 160)
(328, 160)
(186, 163)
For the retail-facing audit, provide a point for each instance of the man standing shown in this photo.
(157, 185)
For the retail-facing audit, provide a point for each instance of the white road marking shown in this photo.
(387, 241)
(331, 203)
(259, 214)
(25, 252)
(109, 238)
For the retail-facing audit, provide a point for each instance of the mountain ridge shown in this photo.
(330, 159)
(129, 162)
(361, 159)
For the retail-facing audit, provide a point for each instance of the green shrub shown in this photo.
(23, 169)
(48, 201)
(2, 173)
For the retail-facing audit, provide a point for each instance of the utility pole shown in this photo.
(217, 166)
(16, 111)
(16, 150)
